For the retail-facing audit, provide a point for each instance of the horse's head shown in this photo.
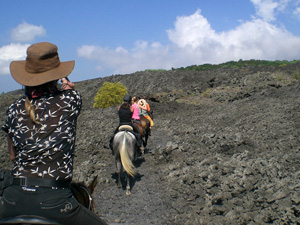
(83, 193)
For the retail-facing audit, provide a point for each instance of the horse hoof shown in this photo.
(142, 150)
(128, 192)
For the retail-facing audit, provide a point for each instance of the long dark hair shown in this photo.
(41, 90)
(125, 105)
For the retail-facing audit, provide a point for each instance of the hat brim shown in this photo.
(18, 72)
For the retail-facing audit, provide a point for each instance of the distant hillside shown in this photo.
(225, 147)
(238, 64)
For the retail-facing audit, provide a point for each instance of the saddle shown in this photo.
(125, 127)
(6, 179)
(27, 220)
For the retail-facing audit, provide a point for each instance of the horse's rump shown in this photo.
(144, 122)
(139, 127)
(124, 146)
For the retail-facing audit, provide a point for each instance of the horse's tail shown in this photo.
(126, 161)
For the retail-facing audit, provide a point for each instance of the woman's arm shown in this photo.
(65, 83)
(11, 149)
(142, 104)
(72, 85)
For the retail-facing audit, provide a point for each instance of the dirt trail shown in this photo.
(145, 205)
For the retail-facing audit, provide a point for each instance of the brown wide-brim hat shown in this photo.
(42, 65)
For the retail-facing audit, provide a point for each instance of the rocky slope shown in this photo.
(225, 148)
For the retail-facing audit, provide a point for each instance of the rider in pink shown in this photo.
(135, 115)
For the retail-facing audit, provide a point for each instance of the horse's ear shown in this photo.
(93, 184)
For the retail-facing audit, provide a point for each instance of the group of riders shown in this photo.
(130, 113)
(41, 133)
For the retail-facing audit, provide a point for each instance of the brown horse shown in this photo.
(145, 131)
(82, 193)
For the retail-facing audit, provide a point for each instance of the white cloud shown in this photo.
(265, 9)
(191, 31)
(297, 13)
(141, 57)
(27, 32)
(256, 39)
(9, 53)
(194, 41)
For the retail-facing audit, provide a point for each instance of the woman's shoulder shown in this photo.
(70, 93)
(66, 98)
(17, 103)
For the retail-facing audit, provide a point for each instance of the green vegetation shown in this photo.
(207, 92)
(156, 70)
(279, 78)
(109, 94)
(238, 64)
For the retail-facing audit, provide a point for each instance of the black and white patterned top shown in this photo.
(44, 150)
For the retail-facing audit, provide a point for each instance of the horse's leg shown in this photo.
(142, 148)
(145, 141)
(119, 170)
(128, 192)
(146, 138)
(119, 179)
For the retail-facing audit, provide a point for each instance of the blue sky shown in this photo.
(107, 37)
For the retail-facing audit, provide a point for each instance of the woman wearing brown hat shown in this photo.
(41, 131)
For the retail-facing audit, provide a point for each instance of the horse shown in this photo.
(81, 192)
(145, 131)
(142, 133)
(146, 125)
(125, 149)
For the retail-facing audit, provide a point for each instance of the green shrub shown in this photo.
(207, 92)
(279, 78)
(109, 94)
